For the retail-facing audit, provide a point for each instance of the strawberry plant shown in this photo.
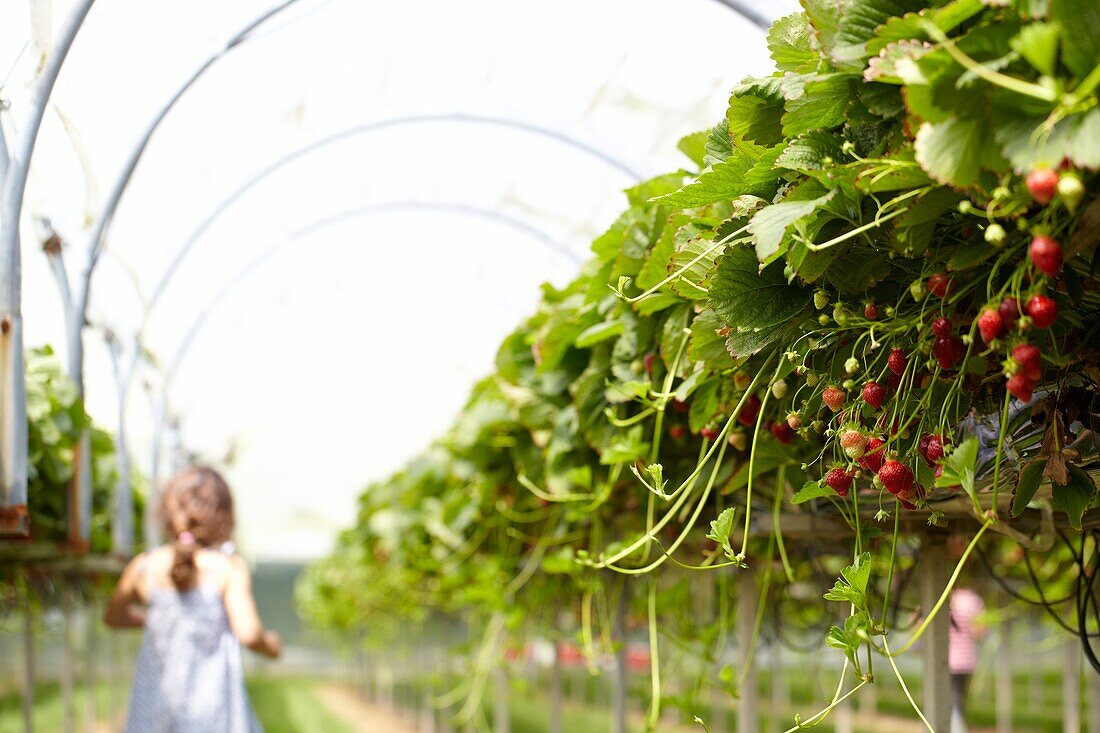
(878, 288)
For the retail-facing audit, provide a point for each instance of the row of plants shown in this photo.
(873, 302)
(56, 419)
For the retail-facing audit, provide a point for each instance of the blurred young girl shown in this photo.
(194, 599)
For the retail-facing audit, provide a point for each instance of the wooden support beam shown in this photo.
(935, 571)
(748, 714)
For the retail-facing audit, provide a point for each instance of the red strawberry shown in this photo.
(1030, 360)
(949, 352)
(991, 325)
(1009, 310)
(941, 327)
(647, 361)
(839, 480)
(833, 397)
(680, 406)
(782, 432)
(939, 285)
(1021, 387)
(873, 456)
(1042, 310)
(930, 448)
(750, 411)
(874, 394)
(894, 381)
(676, 432)
(908, 504)
(897, 361)
(896, 477)
(1041, 184)
(1046, 255)
(709, 433)
(870, 311)
(854, 443)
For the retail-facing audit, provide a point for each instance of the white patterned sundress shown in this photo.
(189, 676)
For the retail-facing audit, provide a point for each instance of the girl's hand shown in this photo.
(272, 644)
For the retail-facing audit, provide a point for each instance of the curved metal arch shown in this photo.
(748, 12)
(351, 132)
(332, 220)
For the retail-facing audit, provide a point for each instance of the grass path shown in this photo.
(356, 713)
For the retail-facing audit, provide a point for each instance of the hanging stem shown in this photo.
(654, 713)
(946, 591)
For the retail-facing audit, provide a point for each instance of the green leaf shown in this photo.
(960, 466)
(735, 176)
(694, 146)
(909, 26)
(1074, 498)
(811, 151)
(695, 280)
(955, 151)
(720, 530)
(770, 224)
(789, 44)
(1029, 143)
(858, 24)
(704, 404)
(970, 254)
(1031, 476)
(707, 345)
(821, 106)
(1038, 43)
(742, 342)
(812, 490)
(755, 118)
(719, 144)
(627, 446)
(751, 298)
(1080, 21)
(600, 332)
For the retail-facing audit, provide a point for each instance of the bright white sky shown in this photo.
(352, 344)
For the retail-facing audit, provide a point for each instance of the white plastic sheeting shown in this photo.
(429, 165)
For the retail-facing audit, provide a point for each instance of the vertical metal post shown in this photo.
(1071, 686)
(122, 525)
(781, 693)
(502, 715)
(91, 661)
(1094, 699)
(556, 701)
(618, 690)
(28, 667)
(68, 662)
(13, 398)
(1002, 679)
(936, 678)
(748, 717)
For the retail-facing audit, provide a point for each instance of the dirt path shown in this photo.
(359, 715)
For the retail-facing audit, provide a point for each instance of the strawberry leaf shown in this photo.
(1074, 498)
(1031, 476)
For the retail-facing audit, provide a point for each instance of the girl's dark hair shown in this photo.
(197, 512)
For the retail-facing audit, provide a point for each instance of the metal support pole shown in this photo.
(1071, 686)
(1002, 679)
(28, 668)
(748, 717)
(1094, 700)
(936, 678)
(618, 690)
(68, 663)
(556, 701)
(502, 716)
(13, 398)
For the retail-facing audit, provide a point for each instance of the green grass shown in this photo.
(283, 705)
(290, 705)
